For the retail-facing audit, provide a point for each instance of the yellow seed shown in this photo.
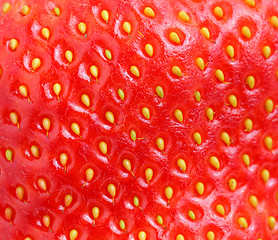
(265, 175)
(73, 234)
(136, 201)
(219, 75)
(105, 15)
(46, 220)
(176, 71)
(135, 71)
(35, 151)
(242, 222)
(230, 51)
(248, 124)
(159, 91)
(8, 213)
(225, 138)
(108, 54)
(174, 37)
(168, 191)
(197, 138)
(250, 81)
(200, 63)
(127, 164)
(200, 188)
(180, 237)
(142, 235)
(6, 7)
(42, 184)
(149, 12)
(63, 159)
(9, 155)
(14, 118)
(19, 191)
(103, 147)
(220, 209)
(146, 113)
(178, 114)
(246, 159)
(274, 21)
(69, 56)
(27, 238)
(121, 94)
(253, 201)
(36, 63)
(181, 164)
(250, 3)
(205, 32)
(268, 142)
(57, 11)
(214, 162)
(95, 212)
(46, 123)
(85, 100)
(75, 128)
(13, 44)
(266, 51)
(209, 114)
(82, 27)
(159, 219)
(271, 222)
(45, 33)
(183, 16)
(232, 100)
(246, 32)
(68, 200)
(133, 135)
(269, 105)
(122, 224)
(111, 188)
(110, 117)
(160, 143)
(148, 174)
(94, 71)
(191, 214)
(149, 49)
(218, 12)
(197, 96)
(210, 235)
(127, 27)
(57, 89)
(232, 184)
(25, 10)
(89, 174)
(23, 91)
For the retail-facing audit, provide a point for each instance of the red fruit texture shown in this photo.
(138, 120)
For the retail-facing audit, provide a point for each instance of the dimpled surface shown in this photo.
(114, 73)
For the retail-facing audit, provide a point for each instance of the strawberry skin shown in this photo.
(139, 120)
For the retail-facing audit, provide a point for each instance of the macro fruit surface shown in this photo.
(139, 119)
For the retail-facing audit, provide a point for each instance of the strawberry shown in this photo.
(139, 119)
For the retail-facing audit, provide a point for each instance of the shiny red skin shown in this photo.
(139, 92)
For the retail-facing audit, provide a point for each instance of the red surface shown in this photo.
(139, 92)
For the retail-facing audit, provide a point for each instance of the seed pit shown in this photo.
(247, 29)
